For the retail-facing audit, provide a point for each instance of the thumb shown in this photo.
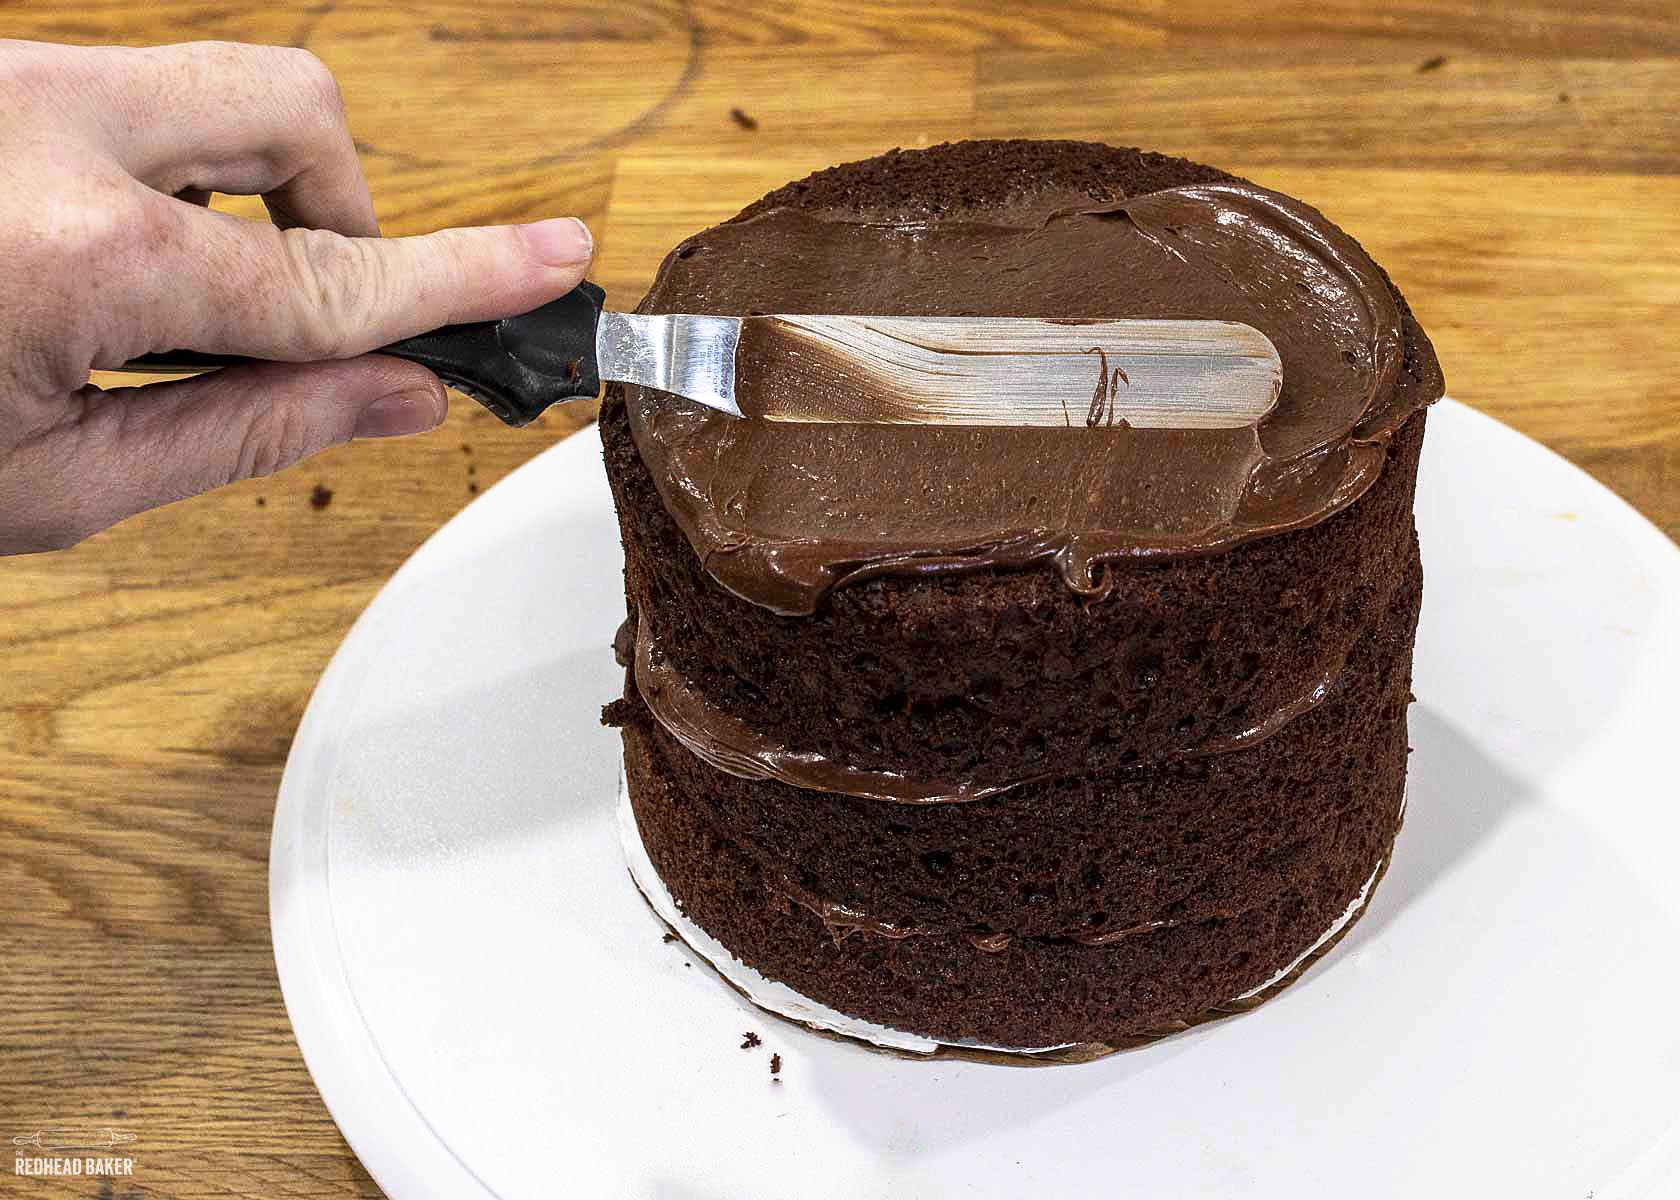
(137, 448)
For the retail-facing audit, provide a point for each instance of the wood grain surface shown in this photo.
(1516, 167)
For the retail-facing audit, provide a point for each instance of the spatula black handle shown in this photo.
(515, 367)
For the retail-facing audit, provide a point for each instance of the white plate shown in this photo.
(487, 1007)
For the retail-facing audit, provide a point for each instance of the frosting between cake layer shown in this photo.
(730, 744)
(844, 920)
(780, 513)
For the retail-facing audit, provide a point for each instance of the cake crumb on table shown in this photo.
(1432, 64)
(320, 496)
(749, 1039)
(741, 118)
(776, 1065)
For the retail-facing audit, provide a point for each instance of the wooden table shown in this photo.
(1518, 172)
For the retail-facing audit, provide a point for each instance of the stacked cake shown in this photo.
(1049, 738)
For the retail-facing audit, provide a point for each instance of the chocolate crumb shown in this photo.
(668, 938)
(472, 470)
(465, 449)
(320, 497)
(261, 503)
(1432, 64)
(1563, 97)
(688, 964)
(749, 1039)
(776, 1065)
(472, 489)
(742, 119)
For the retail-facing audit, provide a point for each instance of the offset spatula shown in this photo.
(870, 370)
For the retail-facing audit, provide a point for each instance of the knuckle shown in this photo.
(65, 246)
(82, 266)
(275, 437)
(320, 91)
(96, 232)
(74, 263)
(339, 285)
(103, 225)
(448, 261)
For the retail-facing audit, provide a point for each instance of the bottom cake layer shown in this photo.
(782, 1001)
(822, 892)
(1032, 994)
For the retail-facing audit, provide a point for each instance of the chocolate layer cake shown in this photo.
(1026, 738)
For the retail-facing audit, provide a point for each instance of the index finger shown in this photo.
(240, 287)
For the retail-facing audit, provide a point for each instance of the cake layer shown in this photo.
(963, 684)
(1091, 858)
(781, 512)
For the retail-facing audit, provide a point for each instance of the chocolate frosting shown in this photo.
(732, 746)
(779, 513)
(845, 920)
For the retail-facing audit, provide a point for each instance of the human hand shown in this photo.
(107, 158)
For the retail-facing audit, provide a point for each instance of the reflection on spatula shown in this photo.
(1004, 371)
(861, 370)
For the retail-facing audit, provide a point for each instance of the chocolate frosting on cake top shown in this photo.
(779, 513)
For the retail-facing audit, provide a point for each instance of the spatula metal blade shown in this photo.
(1180, 374)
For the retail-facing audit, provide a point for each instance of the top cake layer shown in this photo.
(959, 677)
(781, 513)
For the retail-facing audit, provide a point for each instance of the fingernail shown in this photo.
(400, 413)
(559, 241)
